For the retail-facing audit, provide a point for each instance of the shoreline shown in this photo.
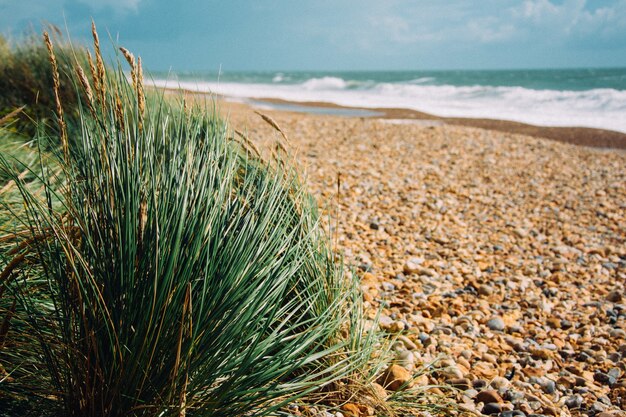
(582, 136)
(576, 135)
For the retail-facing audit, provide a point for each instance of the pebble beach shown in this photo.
(502, 256)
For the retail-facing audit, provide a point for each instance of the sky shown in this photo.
(342, 34)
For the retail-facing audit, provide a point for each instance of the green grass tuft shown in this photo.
(152, 265)
(164, 270)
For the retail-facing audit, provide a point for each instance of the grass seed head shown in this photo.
(101, 72)
(88, 92)
(56, 87)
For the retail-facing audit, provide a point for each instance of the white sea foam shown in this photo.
(421, 80)
(600, 108)
(325, 83)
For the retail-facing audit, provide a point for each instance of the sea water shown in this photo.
(553, 97)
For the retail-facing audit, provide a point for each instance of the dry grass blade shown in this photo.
(94, 73)
(9, 185)
(272, 123)
(85, 83)
(101, 72)
(248, 143)
(130, 58)
(119, 112)
(57, 85)
(11, 115)
(141, 98)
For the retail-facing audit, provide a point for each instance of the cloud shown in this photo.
(572, 18)
(116, 5)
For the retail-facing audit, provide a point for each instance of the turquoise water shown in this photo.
(550, 79)
(559, 97)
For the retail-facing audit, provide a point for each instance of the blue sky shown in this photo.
(343, 34)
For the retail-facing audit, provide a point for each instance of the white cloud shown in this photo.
(571, 18)
(490, 30)
(117, 5)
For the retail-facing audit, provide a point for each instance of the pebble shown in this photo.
(406, 359)
(492, 408)
(470, 225)
(573, 401)
(488, 396)
(496, 323)
(413, 265)
(408, 343)
(614, 296)
(395, 377)
(512, 413)
(548, 386)
(500, 383)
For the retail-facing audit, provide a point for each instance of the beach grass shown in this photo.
(152, 264)
(26, 77)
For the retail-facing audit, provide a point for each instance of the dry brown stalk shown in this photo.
(57, 85)
(141, 98)
(14, 263)
(248, 143)
(99, 65)
(130, 58)
(85, 83)
(119, 112)
(11, 115)
(9, 185)
(94, 74)
(279, 145)
(272, 123)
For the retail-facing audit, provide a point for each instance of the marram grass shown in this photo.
(153, 265)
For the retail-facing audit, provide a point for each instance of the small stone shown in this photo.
(492, 408)
(500, 383)
(549, 386)
(396, 327)
(597, 407)
(470, 393)
(408, 343)
(514, 395)
(451, 372)
(395, 377)
(496, 323)
(385, 322)
(351, 410)
(574, 401)
(549, 411)
(459, 383)
(614, 296)
(614, 373)
(406, 359)
(612, 413)
(603, 378)
(378, 391)
(512, 413)
(521, 232)
(485, 290)
(479, 383)
(413, 265)
(488, 396)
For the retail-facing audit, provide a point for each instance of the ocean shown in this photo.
(554, 97)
